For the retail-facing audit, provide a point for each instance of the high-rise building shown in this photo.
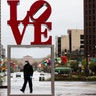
(90, 28)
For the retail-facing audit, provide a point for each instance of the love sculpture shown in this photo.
(36, 22)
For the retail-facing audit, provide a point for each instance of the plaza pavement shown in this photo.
(61, 89)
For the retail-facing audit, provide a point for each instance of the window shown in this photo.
(82, 42)
(94, 42)
(81, 36)
(86, 13)
(93, 5)
(89, 5)
(90, 0)
(89, 42)
(89, 23)
(89, 17)
(93, 23)
(93, 17)
(94, 29)
(89, 12)
(93, 11)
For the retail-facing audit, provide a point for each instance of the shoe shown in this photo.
(30, 91)
(22, 90)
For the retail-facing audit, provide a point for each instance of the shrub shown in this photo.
(1, 80)
(91, 78)
(60, 77)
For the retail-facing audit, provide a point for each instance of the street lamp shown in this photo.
(80, 65)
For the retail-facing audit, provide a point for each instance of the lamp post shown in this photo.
(80, 65)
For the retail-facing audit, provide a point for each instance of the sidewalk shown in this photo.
(61, 88)
(3, 92)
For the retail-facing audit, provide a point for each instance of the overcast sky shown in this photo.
(66, 14)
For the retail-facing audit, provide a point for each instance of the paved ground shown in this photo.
(61, 88)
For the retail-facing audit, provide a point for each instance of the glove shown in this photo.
(30, 77)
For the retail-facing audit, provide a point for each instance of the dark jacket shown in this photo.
(28, 70)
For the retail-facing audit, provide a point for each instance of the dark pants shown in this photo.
(29, 80)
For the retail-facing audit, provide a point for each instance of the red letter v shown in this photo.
(14, 23)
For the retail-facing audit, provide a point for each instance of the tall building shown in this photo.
(62, 44)
(70, 42)
(90, 28)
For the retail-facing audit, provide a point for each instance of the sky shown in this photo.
(66, 14)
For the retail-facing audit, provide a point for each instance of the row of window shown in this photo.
(89, 12)
(90, 1)
(90, 49)
(93, 24)
(90, 36)
(91, 30)
(90, 5)
(90, 39)
(89, 42)
(59, 45)
(90, 17)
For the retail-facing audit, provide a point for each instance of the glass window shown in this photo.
(93, 17)
(89, 17)
(82, 42)
(93, 5)
(94, 29)
(89, 23)
(89, 5)
(93, 11)
(81, 36)
(93, 23)
(89, 12)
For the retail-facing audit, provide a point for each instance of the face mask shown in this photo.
(25, 62)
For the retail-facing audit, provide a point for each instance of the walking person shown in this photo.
(28, 73)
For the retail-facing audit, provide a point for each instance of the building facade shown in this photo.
(70, 42)
(74, 39)
(58, 46)
(64, 43)
(90, 28)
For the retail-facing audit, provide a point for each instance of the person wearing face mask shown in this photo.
(28, 73)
